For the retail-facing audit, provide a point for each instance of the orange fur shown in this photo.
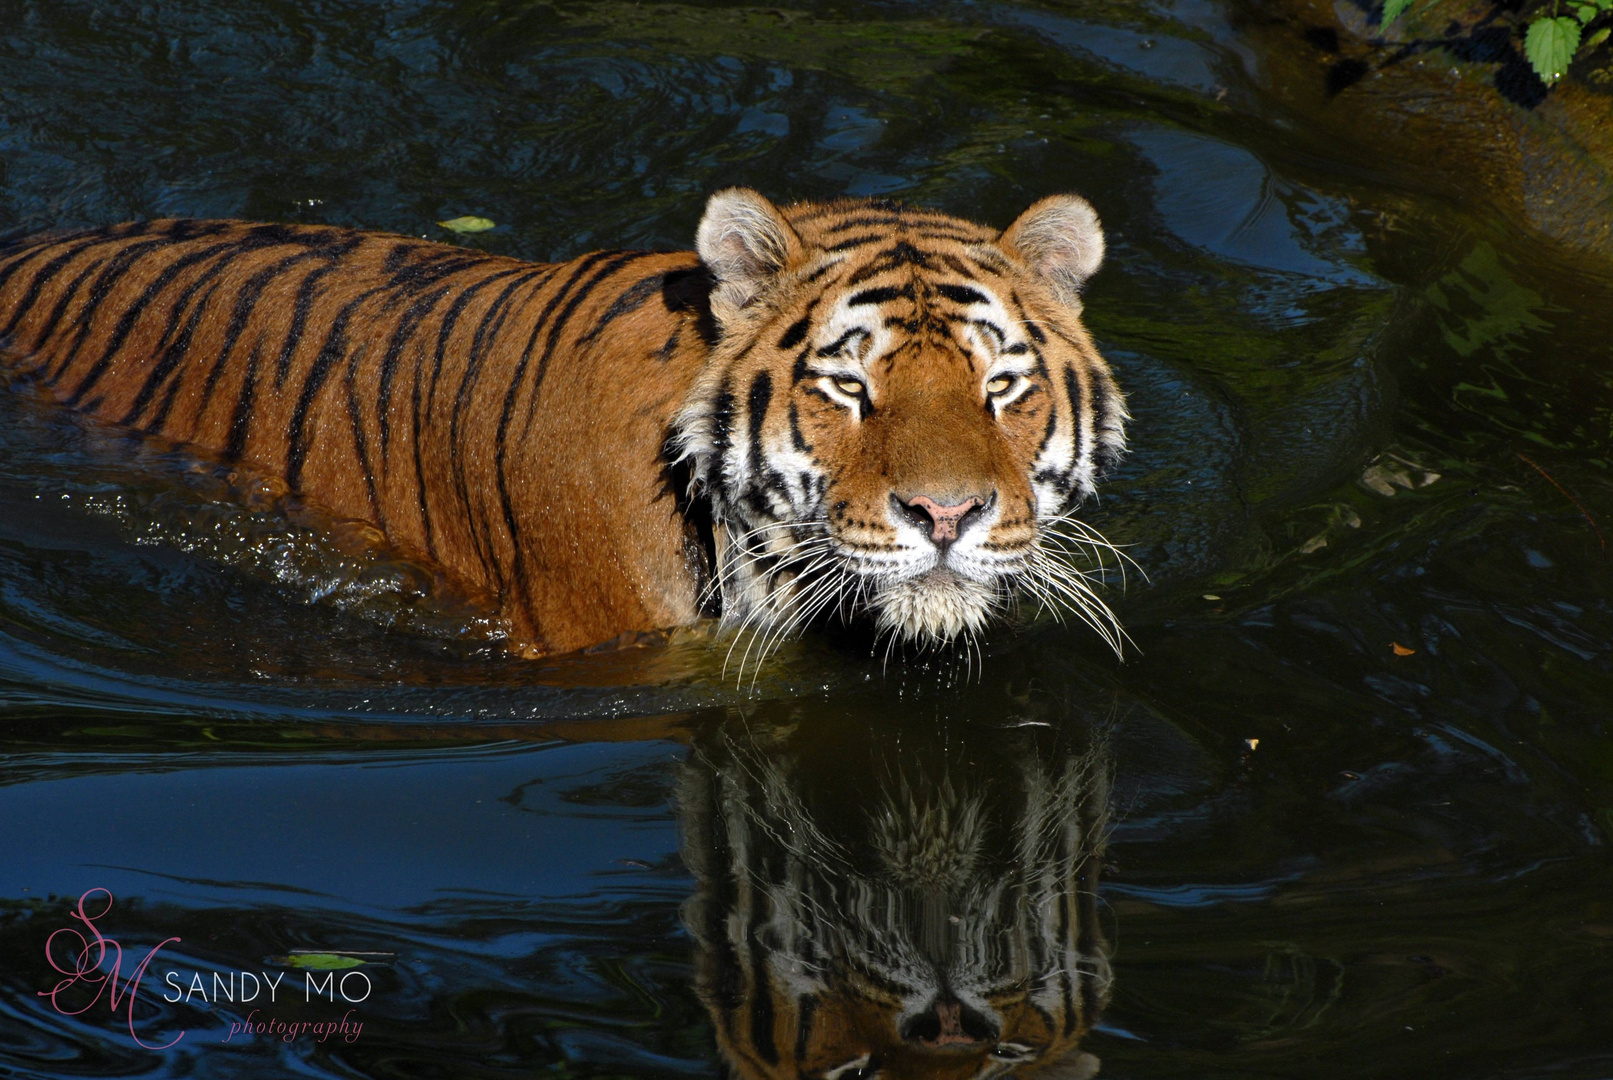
(510, 421)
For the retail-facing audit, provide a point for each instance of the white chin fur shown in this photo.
(933, 607)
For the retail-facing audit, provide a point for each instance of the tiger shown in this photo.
(855, 918)
(853, 408)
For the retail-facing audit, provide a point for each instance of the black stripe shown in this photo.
(492, 322)
(820, 271)
(241, 418)
(900, 254)
(1088, 942)
(957, 265)
(806, 1010)
(796, 333)
(560, 325)
(630, 301)
(116, 267)
(172, 352)
(1106, 414)
(333, 349)
(426, 272)
(42, 334)
(858, 241)
(1052, 426)
(861, 220)
(488, 330)
(132, 314)
(300, 311)
(399, 257)
(881, 295)
(361, 442)
(500, 440)
(670, 347)
(903, 253)
(722, 423)
(1065, 983)
(171, 349)
(761, 396)
(796, 437)
(26, 249)
(41, 278)
(842, 341)
(991, 262)
(995, 331)
(951, 234)
(762, 1012)
(420, 467)
(245, 304)
(963, 294)
(760, 506)
(450, 319)
(408, 322)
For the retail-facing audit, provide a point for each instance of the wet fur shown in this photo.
(510, 422)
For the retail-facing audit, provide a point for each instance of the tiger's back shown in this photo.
(402, 383)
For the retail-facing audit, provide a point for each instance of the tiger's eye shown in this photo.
(849, 387)
(999, 384)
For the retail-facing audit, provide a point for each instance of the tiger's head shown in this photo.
(900, 413)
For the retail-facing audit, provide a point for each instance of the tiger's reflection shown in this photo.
(868, 909)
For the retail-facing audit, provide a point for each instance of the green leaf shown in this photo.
(467, 224)
(1392, 10)
(1586, 12)
(1600, 36)
(317, 961)
(1550, 46)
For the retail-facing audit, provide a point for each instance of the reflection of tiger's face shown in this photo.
(901, 407)
(946, 934)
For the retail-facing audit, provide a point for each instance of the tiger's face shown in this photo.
(902, 409)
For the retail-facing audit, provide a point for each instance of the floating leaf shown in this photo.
(317, 961)
(467, 224)
(1550, 45)
(1600, 36)
(1391, 11)
(1401, 650)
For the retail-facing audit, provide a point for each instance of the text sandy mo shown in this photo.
(225, 987)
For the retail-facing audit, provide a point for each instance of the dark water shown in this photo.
(1368, 415)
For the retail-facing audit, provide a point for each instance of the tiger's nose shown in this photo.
(943, 523)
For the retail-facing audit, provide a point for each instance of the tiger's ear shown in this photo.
(1061, 240)
(745, 243)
